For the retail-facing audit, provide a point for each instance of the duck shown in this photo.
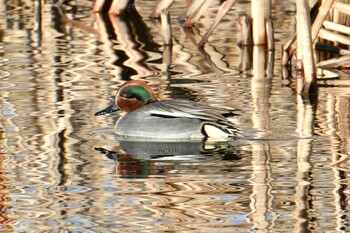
(167, 119)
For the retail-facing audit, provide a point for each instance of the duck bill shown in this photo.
(110, 109)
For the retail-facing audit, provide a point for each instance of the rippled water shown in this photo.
(61, 169)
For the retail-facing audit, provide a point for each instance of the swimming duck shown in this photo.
(170, 119)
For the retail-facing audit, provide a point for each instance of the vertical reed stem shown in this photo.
(259, 11)
(305, 46)
(246, 29)
(269, 33)
(166, 27)
(162, 5)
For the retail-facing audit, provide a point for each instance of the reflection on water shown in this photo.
(61, 170)
(131, 153)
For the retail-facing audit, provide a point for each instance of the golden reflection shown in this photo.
(306, 117)
(186, 192)
(261, 178)
(246, 58)
(4, 218)
(260, 89)
(336, 111)
(130, 43)
(260, 204)
(57, 69)
(300, 214)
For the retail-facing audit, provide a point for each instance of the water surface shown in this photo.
(61, 169)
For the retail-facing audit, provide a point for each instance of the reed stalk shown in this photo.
(246, 29)
(192, 18)
(166, 27)
(162, 5)
(118, 7)
(225, 7)
(299, 50)
(98, 6)
(335, 37)
(335, 63)
(336, 27)
(342, 7)
(287, 50)
(305, 46)
(259, 13)
(196, 4)
(270, 35)
(320, 18)
(323, 10)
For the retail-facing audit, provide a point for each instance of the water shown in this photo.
(61, 169)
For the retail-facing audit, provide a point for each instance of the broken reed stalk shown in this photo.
(323, 10)
(288, 50)
(246, 29)
(113, 7)
(269, 34)
(343, 8)
(166, 27)
(162, 5)
(336, 27)
(98, 6)
(320, 18)
(118, 7)
(224, 8)
(333, 36)
(299, 50)
(338, 15)
(305, 45)
(335, 63)
(191, 19)
(196, 4)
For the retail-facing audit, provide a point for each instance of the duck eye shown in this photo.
(124, 95)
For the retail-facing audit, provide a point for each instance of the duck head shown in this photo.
(130, 96)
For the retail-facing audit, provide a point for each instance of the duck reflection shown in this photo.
(139, 159)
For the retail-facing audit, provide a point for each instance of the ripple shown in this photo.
(63, 170)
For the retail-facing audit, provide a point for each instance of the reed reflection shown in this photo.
(49, 177)
(261, 175)
(261, 89)
(126, 40)
(305, 128)
(336, 112)
(302, 189)
(5, 219)
(134, 43)
(211, 56)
